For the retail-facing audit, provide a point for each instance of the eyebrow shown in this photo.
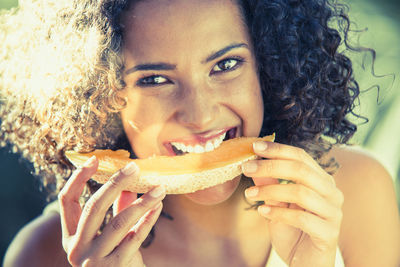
(223, 51)
(167, 66)
(151, 66)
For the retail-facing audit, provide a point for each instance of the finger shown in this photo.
(297, 194)
(276, 203)
(296, 171)
(125, 199)
(264, 181)
(319, 230)
(68, 198)
(134, 239)
(268, 181)
(96, 207)
(119, 226)
(272, 150)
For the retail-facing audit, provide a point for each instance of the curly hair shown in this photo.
(307, 83)
(61, 71)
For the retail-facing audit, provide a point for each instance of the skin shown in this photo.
(305, 221)
(196, 97)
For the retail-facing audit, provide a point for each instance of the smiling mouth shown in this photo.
(211, 144)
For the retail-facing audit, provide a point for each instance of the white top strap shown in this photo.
(275, 261)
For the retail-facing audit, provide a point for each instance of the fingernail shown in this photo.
(264, 209)
(157, 192)
(89, 163)
(129, 169)
(249, 167)
(260, 146)
(251, 192)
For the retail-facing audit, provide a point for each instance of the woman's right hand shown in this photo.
(120, 240)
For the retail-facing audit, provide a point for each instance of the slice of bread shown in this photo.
(179, 174)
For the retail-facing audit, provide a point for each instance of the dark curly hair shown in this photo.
(307, 84)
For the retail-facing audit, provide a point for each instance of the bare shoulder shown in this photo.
(370, 232)
(38, 244)
(360, 168)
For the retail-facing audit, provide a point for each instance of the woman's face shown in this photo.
(191, 81)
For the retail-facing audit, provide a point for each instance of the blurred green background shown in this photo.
(22, 200)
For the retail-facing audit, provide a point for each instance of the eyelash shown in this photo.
(142, 83)
(239, 62)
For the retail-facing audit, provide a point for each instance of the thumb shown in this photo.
(123, 200)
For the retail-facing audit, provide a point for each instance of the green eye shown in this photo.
(152, 80)
(228, 64)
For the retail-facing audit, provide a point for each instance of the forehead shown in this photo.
(165, 24)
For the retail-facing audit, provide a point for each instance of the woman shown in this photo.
(157, 77)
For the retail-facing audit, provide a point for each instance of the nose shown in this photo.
(199, 109)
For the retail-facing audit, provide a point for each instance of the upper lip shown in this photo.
(200, 138)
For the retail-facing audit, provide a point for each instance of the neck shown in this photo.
(228, 231)
(219, 221)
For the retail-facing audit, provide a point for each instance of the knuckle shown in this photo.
(118, 223)
(303, 218)
(77, 171)
(132, 236)
(301, 153)
(92, 206)
(139, 235)
(340, 198)
(114, 181)
(90, 263)
(339, 216)
(141, 203)
(332, 235)
(117, 180)
(63, 196)
(146, 220)
(75, 257)
(278, 148)
(80, 171)
(68, 244)
(269, 166)
(303, 169)
(332, 180)
(302, 194)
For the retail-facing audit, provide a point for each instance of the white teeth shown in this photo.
(209, 146)
(198, 149)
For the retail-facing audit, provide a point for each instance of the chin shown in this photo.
(216, 194)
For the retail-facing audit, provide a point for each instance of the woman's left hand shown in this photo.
(304, 216)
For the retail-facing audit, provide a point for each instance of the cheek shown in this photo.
(255, 112)
(143, 121)
(247, 102)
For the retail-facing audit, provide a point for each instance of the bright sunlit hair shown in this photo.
(58, 83)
